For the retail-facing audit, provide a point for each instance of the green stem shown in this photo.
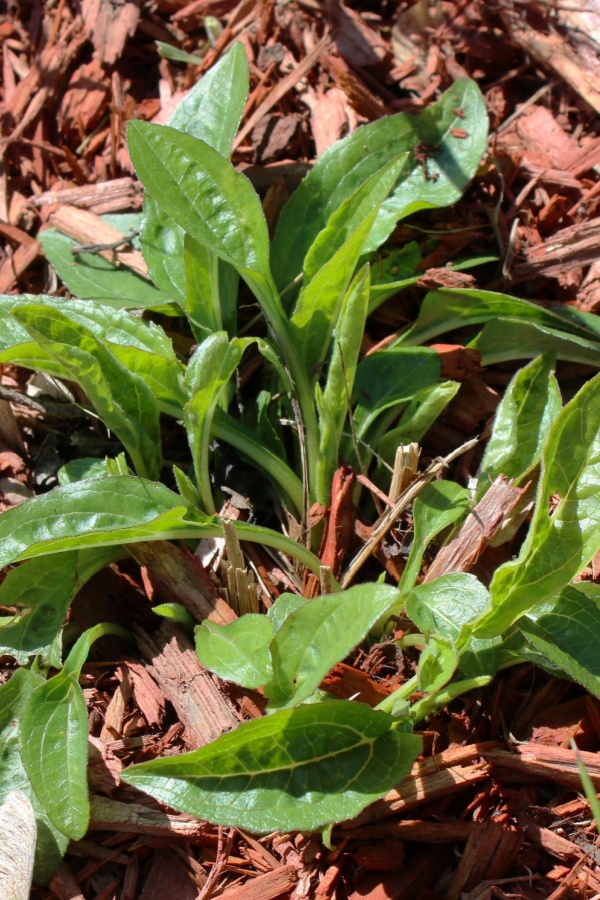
(422, 708)
(227, 429)
(401, 693)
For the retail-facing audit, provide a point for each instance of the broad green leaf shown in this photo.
(202, 297)
(82, 469)
(512, 339)
(203, 193)
(437, 663)
(209, 371)
(320, 634)
(566, 628)
(211, 111)
(91, 277)
(297, 769)
(284, 606)
(565, 530)
(42, 591)
(237, 652)
(122, 399)
(523, 419)
(318, 306)
(162, 245)
(445, 310)
(142, 347)
(213, 108)
(53, 744)
(451, 164)
(390, 377)
(415, 421)
(438, 505)
(360, 207)
(334, 404)
(116, 510)
(447, 606)
(51, 843)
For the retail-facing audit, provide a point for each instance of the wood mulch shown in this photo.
(493, 809)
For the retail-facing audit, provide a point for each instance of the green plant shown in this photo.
(202, 231)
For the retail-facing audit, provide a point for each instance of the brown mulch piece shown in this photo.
(481, 815)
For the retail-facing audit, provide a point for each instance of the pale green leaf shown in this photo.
(446, 310)
(513, 339)
(121, 398)
(565, 530)
(320, 634)
(437, 663)
(438, 505)
(91, 277)
(237, 652)
(528, 408)
(297, 769)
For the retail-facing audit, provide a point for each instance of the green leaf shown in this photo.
(318, 306)
(565, 628)
(349, 162)
(438, 505)
(175, 612)
(141, 346)
(564, 534)
(445, 310)
(121, 398)
(119, 509)
(51, 843)
(209, 371)
(423, 410)
(237, 652)
(437, 663)
(168, 51)
(53, 744)
(162, 246)
(82, 469)
(91, 277)
(513, 339)
(320, 634)
(447, 605)
(390, 377)
(297, 769)
(283, 607)
(212, 109)
(203, 193)
(530, 404)
(42, 591)
(334, 404)
(359, 208)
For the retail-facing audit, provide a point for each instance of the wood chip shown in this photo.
(278, 883)
(133, 818)
(190, 688)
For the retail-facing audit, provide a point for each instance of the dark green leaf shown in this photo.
(54, 738)
(297, 769)
(42, 591)
(51, 843)
(511, 339)
(566, 630)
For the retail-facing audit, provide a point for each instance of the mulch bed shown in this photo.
(493, 809)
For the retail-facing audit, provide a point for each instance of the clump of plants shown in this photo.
(311, 761)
